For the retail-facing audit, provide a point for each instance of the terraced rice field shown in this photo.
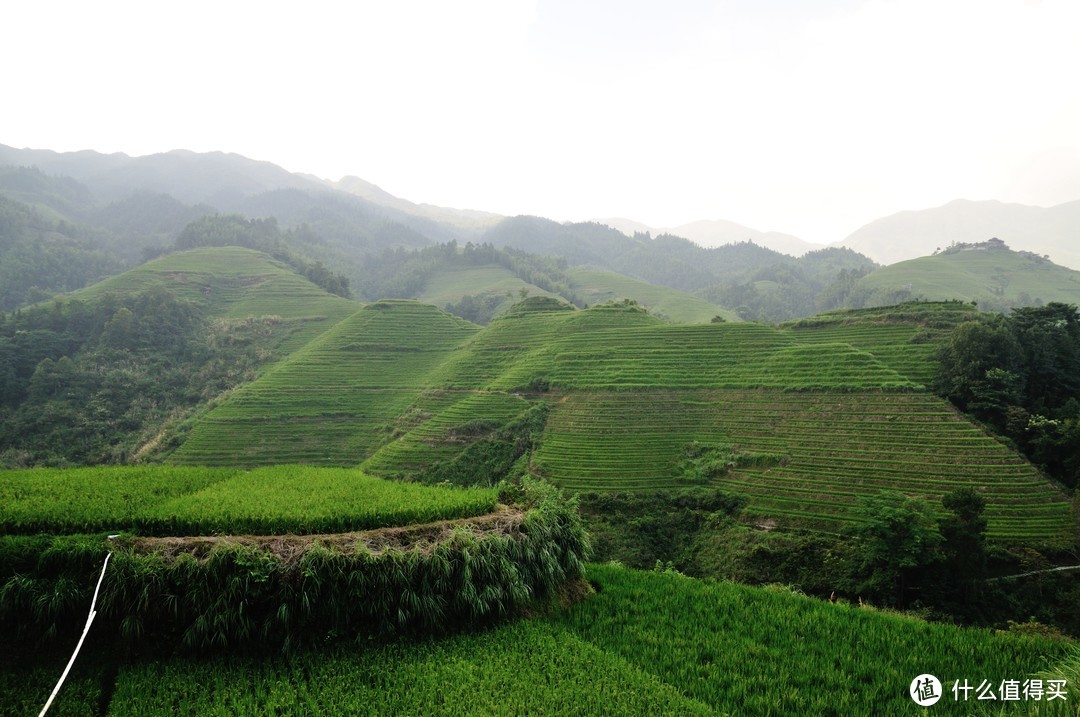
(338, 398)
(891, 344)
(234, 283)
(440, 424)
(166, 500)
(400, 385)
(837, 448)
(597, 286)
(450, 285)
(625, 348)
(905, 338)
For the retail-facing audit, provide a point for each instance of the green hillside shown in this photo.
(233, 284)
(596, 286)
(801, 457)
(990, 274)
(811, 418)
(336, 399)
(489, 283)
(114, 372)
(502, 288)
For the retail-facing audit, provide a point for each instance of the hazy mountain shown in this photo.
(710, 233)
(989, 273)
(1053, 231)
(351, 212)
(764, 284)
(717, 232)
(213, 178)
(469, 220)
(629, 227)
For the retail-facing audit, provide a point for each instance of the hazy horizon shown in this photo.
(804, 119)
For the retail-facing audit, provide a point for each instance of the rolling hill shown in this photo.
(988, 273)
(808, 423)
(338, 398)
(598, 287)
(906, 235)
(718, 232)
(235, 284)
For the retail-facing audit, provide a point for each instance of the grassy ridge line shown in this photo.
(832, 443)
(623, 347)
(231, 282)
(450, 285)
(597, 286)
(999, 277)
(200, 501)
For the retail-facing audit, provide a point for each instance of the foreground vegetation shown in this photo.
(645, 643)
(751, 651)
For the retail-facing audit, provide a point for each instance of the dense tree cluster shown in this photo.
(89, 382)
(1020, 374)
(40, 256)
(263, 235)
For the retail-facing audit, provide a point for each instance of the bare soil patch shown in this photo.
(425, 536)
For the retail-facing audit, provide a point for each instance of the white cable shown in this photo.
(89, 619)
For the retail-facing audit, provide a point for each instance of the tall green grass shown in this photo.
(301, 499)
(94, 499)
(526, 668)
(167, 500)
(644, 644)
(25, 685)
(751, 651)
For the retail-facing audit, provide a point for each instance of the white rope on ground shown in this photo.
(89, 619)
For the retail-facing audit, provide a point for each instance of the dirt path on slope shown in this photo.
(425, 536)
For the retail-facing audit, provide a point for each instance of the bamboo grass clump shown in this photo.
(239, 594)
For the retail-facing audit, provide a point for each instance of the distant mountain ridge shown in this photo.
(87, 209)
(215, 178)
(1052, 231)
(467, 219)
(228, 182)
(711, 233)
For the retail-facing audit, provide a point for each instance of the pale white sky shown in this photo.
(802, 116)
